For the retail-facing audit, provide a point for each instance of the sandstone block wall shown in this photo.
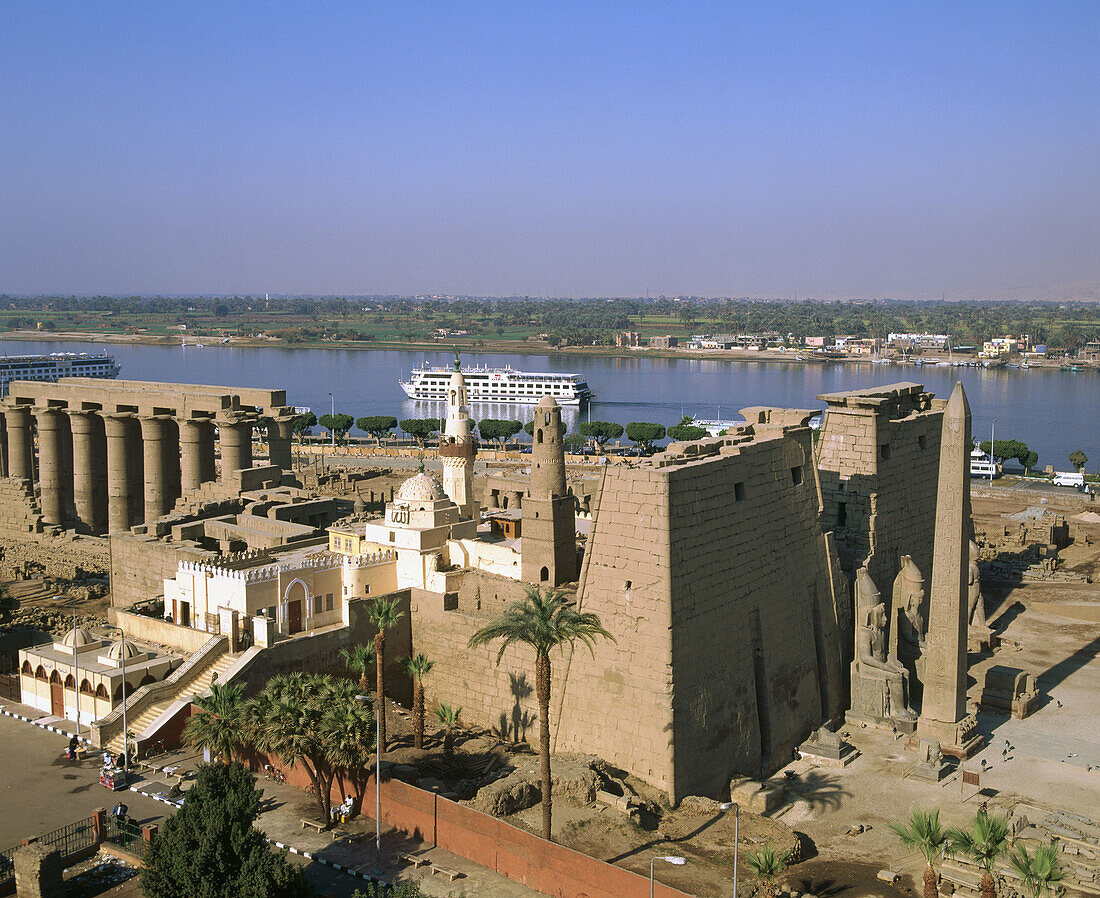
(717, 583)
(878, 461)
(140, 564)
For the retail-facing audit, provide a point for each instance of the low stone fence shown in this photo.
(143, 628)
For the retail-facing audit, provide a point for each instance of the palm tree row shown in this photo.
(984, 842)
(312, 719)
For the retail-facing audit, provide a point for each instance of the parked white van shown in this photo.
(1064, 478)
(982, 468)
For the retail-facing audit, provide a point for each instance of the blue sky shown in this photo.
(764, 149)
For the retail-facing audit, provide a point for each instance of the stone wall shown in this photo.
(715, 580)
(140, 564)
(879, 462)
(63, 556)
(153, 629)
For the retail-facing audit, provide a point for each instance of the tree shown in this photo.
(601, 431)
(1005, 449)
(210, 847)
(686, 432)
(8, 604)
(923, 835)
(301, 425)
(1078, 459)
(359, 659)
(416, 667)
(1030, 461)
(448, 719)
(984, 842)
(378, 426)
(574, 442)
(496, 429)
(420, 428)
(217, 728)
(384, 614)
(766, 865)
(543, 621)
(645, 434)
(389, 890)
(316, 720)
(1038, 871)
(338, 425)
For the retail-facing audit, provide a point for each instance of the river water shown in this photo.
(1054, 412)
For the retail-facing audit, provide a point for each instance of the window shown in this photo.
(544, 574)
(329, 602)
(921, 443)
(317, 603)
(841, 514)
(739, 492)
(366, 590)
(884, 451)
(796, 475)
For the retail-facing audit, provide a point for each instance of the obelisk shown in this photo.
(943, 709)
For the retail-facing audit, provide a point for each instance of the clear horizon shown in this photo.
(856, 150)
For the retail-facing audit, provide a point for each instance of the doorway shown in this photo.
(57, 700)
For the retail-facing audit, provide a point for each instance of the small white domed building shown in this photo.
(53, 675)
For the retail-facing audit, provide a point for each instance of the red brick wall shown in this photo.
(521, 856)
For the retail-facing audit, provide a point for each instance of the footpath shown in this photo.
(336, 862)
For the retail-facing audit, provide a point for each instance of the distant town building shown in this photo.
(665, 342)
(628, 338)
(1090, 352)
(999, 347)
(814, 342)
(903, 342)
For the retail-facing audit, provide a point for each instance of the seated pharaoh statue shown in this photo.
(879, 681)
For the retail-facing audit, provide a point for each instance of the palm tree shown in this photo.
(359, 659)
(543, 621)
(416, 668)
(1038, 871)
(983, 843)
(448, 719)
(924, 835)
(218, 728)
(384, 614)
(766, 865)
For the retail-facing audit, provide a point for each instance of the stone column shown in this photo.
(195, 434)
(235, 440)
(279, 436)
(121, 459)
(88, 462)
(157, 495)
(50, 464)
(17, 421)
(171, 445)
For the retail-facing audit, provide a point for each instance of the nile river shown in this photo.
(1054, 412)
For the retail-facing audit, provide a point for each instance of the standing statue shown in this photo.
(908, 631)
(879, 680)
(975, 607)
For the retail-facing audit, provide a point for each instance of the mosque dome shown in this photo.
(547, 402)
(115, 652)
(77, 637)
(421, 488)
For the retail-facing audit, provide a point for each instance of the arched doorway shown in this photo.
(294, 602)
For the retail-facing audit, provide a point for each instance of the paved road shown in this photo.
(40, 790)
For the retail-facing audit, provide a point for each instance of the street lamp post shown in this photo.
(332, 400)
(668, 859)
(377, 777)
(125, 728)
(76, 670)
(992, 464)
(736, 820)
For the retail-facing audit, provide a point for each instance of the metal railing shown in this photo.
(7, 869)
(125, 836)
(71, 838)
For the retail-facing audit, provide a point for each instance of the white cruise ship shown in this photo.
(53, 366)
(504, 385)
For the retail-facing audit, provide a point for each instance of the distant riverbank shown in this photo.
(514, 347)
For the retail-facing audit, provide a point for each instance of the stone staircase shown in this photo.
(198, 686)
